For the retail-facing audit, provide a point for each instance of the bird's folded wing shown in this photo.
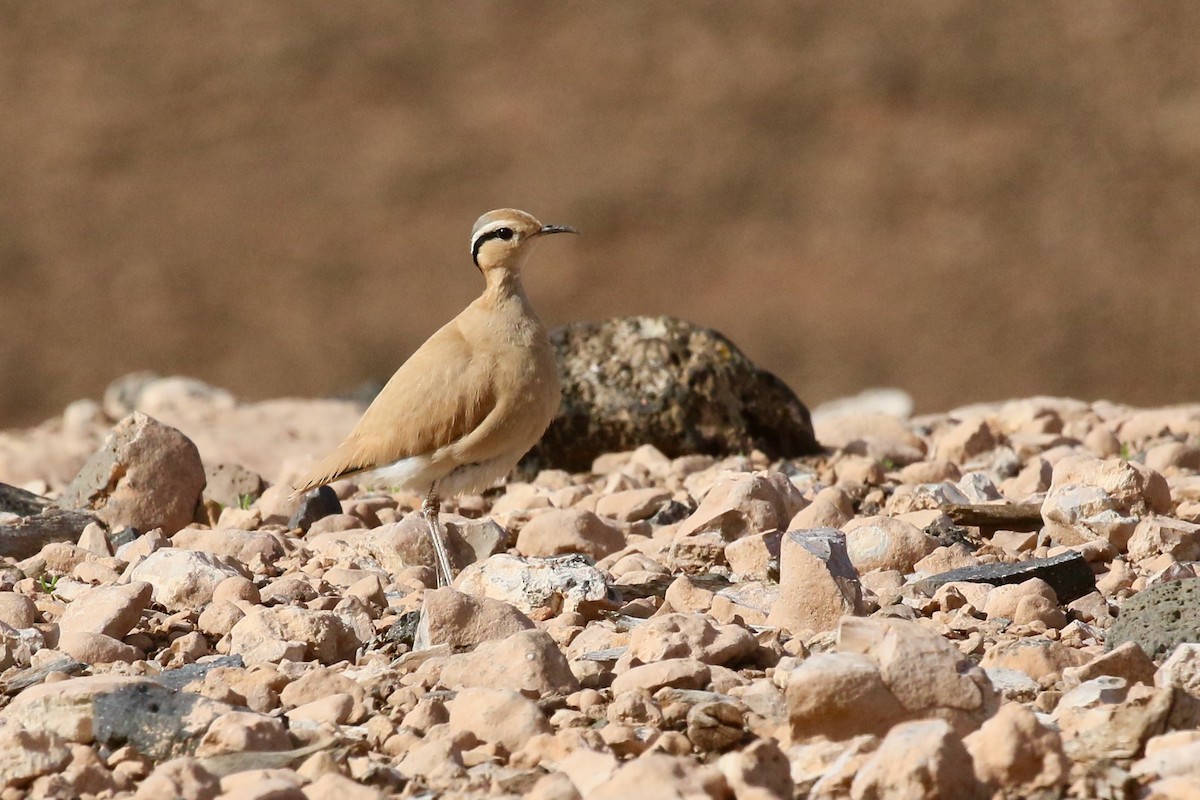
(442, 393)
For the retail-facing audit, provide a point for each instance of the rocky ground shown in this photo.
(1000, 601)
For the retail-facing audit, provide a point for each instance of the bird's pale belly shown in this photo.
(419, 474)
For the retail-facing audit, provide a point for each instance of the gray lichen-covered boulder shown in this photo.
(1159, 618)
(685, 389)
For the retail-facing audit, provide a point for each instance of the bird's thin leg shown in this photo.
(429, 510)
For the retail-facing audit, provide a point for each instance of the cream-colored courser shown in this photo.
(459, 414)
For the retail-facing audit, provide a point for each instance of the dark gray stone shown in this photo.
(1068, 574)
(404, 629)
(154, 720)
(189, 673)
(674, 511)
(685, 389)
(319, 503)
(1159, 618)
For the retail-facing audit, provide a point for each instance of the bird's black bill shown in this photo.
(557, 229)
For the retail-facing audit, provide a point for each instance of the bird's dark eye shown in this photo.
(504, 233)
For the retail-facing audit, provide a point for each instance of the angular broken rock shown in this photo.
(817, 582)
(1014, 750)
(295, 633)
(540, 587)
(923, 759)
(690, 636)
(1104, 718)
(499, 716)
(393, 547)
(631, 381)
(110, 610)
(656, 775)
(829, 695)
(557, 532)
(462, 620)
(1091, 498)
(183, 579)
(145, 475)
(528, 662)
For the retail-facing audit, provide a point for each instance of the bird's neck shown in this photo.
(503, 284)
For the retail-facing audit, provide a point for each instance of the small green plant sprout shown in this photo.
(1126, 452)
(245, 501)
(48, 583)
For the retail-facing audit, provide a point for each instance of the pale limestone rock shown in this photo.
(656, 776)
(677, 673)
(1106, 718)
(923, 759)
(110, 610)
(333, 709)
(17, 610)
(751, 602)
(90, 647)
(877, 435)
(1038, 658)
(1091, 498)
(827, 693)
(270, 634)
(1002, 601)
(967, 439)
(183, 579)
(462, 620)
(26, 755)
(540, 588)
(184, 778)
(822, 512)
(94, 540)
(751, 556)
(499, 716)
(760, 771)
(65, 708)
(245, 546)
(886, 543)
(323, 682)
(929, 472)
(686, 595)
(438, 761)
(240, 731)
(564, 531)
(527, 661)
(1169, 755)
(928, 675)
(145, 475)
(817, 582)
(737, 505)
(1013, 751)
(1181, 669)
(689, 636)
(1157, 535)
(632, 505)
(1127, 660)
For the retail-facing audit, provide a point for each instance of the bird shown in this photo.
(472, 400)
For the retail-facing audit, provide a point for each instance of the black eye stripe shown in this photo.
(503, 234)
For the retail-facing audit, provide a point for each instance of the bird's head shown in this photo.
(502, 239)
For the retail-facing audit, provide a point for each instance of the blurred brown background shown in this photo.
(967, 200)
